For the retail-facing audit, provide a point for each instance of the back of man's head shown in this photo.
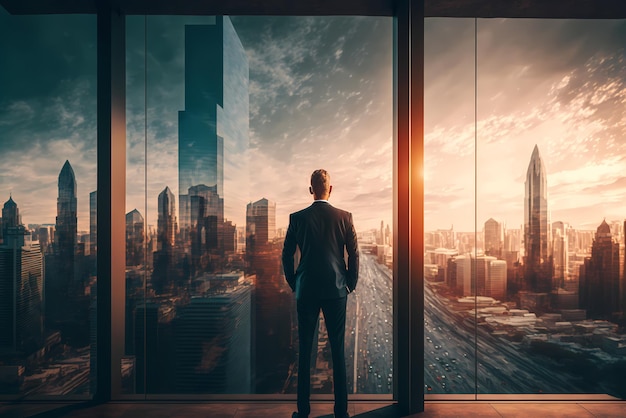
(320, 184)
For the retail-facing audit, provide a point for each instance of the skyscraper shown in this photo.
(538, 271)
(215, 118)
(493, 238)
(560, 255)
(66, 221)
(206, 216)
(93, 222)
(21, 288)
(134, 238)
(166, 223)
(272, 298)
(599, 281)
(61, 283)
(164, 274)
(260, 223)
(213, 338)
(10, 216)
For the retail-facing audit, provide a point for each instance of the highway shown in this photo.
(450, 347)
(450, 351)
(369, 328)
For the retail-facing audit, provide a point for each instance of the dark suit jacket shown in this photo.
(321, 231)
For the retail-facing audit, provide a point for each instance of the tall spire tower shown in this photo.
(538, 273)
(66, 222)
(167, 226)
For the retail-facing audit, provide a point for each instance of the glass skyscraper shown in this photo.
(21, 286)
(538, 271)
(213, 128)
(260, 223)
(66, 224)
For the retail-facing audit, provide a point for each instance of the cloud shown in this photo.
(557, 84)
(320, 96)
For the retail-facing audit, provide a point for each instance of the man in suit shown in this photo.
(321, 281)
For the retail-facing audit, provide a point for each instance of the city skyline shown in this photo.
(557, 84)
(535, 86)
(320, 95)
(201, 316)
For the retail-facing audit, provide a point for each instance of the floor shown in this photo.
(361, 409)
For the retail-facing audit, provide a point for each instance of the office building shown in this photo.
(260, 223)
(213, 128)
(21, 292)
(66, 220)
(599, 278)
(560, 255)
(134, 238)
(537, 260)
(93, 222)
(164, 272)
(493, 238)
(213, 337)
(10, 216)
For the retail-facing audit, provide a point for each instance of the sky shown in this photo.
(321, 96)
(557, 84)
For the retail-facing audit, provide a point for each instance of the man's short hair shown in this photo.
(320, 182)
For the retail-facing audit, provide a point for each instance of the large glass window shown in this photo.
(524, 221)
(226, 120)
(47, 188)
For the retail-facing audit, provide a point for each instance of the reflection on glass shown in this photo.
(238, 114)
(539, 278)
(48, 228)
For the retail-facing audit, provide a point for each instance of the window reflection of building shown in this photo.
(213, 128)
(213, 337)
(134, 238)
(272, 300)
(260, 223)
(164, 271)
(21, 290)
(93, 222)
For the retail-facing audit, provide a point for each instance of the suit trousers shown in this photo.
(334, 311)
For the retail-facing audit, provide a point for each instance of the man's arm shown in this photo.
(352, 248)
(289, 249)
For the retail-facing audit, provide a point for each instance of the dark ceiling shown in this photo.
(588, 9)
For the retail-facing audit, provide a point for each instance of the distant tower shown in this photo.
(260, 223)
(206, 216)
(493, 238)
(21, 287)
(215, 116)
(10, 216)
(66, 221)
(134, 238)
(61, 284)
(538, 271)
(93, 222)
(560, 254)
(164, 274)
(166, 224)
(599, 281)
